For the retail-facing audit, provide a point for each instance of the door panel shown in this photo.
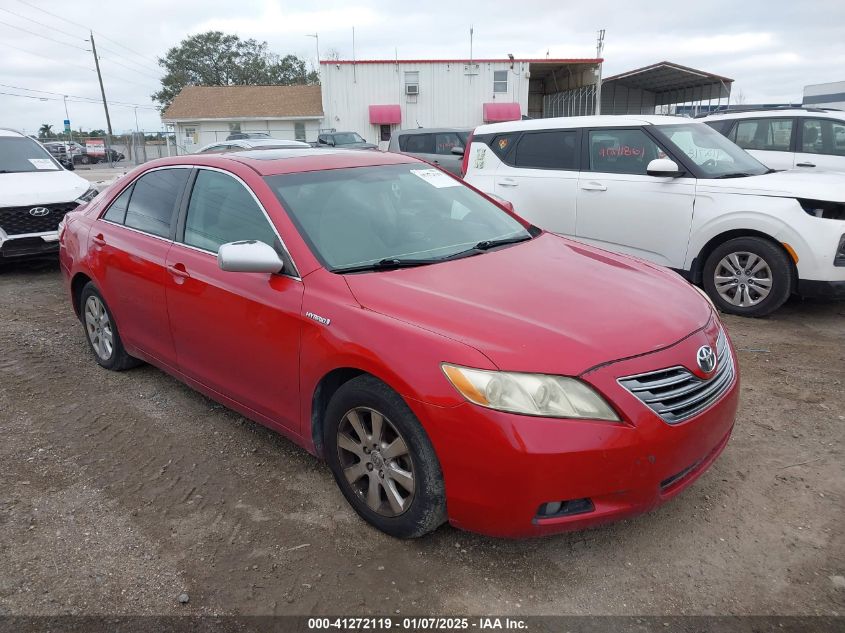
(821, 145)
(769, 140)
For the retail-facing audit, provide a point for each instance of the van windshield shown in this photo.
(715, 156)
(19, 154)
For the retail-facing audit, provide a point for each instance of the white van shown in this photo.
(677, 193)
(35, 194)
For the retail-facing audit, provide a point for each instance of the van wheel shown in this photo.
(748, 276)
(382, 460)
(101, 331)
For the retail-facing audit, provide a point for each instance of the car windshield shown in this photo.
(391, 215)
(715, 156)
(345, 138)
(19, 154)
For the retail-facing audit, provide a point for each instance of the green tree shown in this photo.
(46, 131)
(217, 59)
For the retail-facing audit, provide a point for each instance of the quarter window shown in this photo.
(823, 136)
(154, 199)
(547, 150)
(766, 134)
(222, 210)
(117, 210)
(500, 81)
(622, 151)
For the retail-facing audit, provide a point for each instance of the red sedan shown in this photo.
(447, 359)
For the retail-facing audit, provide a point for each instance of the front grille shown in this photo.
(19, 221)
(677, 394)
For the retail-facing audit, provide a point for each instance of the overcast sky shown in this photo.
(771, 49)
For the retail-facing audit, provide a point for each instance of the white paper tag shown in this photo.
(435, 178)
(42, 163)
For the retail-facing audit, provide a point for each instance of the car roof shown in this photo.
(5, 131)
(775, 113)
(433, 130)
(271, 162)
(258, 142)
(569, 122)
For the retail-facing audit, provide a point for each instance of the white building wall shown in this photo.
(211, 131)
(829, 95)
(447, 96)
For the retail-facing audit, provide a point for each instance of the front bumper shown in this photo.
(30, 245)
(500, 468)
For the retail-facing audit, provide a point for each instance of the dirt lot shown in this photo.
(122, 491)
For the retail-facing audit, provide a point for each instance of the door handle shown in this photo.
(508, 182)
(98, 240)
(178, 270)
(593, 186)
(805, 164)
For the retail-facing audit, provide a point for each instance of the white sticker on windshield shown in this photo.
(435, 178)
(42, 163)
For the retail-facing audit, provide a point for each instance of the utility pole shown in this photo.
(102, 92)
(599, 49)
(67, 118)
(316, 36)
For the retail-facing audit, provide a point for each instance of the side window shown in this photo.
(823, 136)
(500, 81)
(445, 141)
(154, 199)
(765, 134)
(502, 145)
(222, 210)
(621, 151)
(547, 150)
(117, 211)
(419, 143)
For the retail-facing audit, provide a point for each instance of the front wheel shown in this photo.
(382, 459)
(748, 276)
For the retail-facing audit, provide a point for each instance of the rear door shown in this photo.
(236, 333)
(129, 246)
(539, 176)
(821, 144)
(623, 209)
(770, 140)
(419, 145)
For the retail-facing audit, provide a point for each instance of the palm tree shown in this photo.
(45, 131)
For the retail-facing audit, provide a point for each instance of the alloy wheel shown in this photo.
(743, 279)
(376, 462)
(99, 328)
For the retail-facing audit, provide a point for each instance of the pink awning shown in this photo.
(494, 112)
(385, 114)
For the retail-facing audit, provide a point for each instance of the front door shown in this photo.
(623, 209)
(236, 333)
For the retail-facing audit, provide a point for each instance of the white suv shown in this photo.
(807, 138)
(35, 194)
(677, 193)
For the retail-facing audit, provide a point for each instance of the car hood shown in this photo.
(357, 146)
(548, 305)
(40, 187)
(793, 183)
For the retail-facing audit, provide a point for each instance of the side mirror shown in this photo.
(505, 203)
(249, 256)
(458, 151)
(663, 167)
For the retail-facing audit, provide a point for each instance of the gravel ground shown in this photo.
(120, 492)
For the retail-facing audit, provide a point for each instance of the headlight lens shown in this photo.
(88, 196)
(530, 394)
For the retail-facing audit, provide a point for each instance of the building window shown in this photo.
(500, 81)
(299, 131)
(191, 136)
(234, 127)
(412, 82)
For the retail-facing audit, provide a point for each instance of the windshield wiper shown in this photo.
(486, 245)
(389, 263)
(735, 174)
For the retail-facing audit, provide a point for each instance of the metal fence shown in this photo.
(118, 149)
(575, 102)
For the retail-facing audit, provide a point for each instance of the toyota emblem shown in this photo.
(706, 358)
(39, 212)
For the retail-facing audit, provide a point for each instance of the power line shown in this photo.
(46, 26)
(61, 94)
(23, 50)
(128, 60)
(78, 100)
(112, 61)
(20, 28)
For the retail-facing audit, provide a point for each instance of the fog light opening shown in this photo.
(554, 509)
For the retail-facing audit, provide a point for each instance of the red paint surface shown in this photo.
(385, 114)
(494, 112)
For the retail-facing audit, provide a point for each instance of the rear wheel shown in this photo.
(382, 459)
(748, 276)
(101, 331)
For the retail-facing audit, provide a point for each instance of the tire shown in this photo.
(734, 291)
(101, 331)
(84, 159)
(399, 507)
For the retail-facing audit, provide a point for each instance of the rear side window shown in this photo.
(554, 149)
(222, 210)
(502, 146)
(622, 151)
(117, 210)
(154, 200)
(417, 143)
(765, 134)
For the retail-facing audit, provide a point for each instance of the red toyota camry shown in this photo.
(447, 359)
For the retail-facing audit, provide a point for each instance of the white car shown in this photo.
(250, 143)
(674, 192)
(805, 138)
(35, 194)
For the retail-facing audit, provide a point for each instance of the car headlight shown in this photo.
(530, 394)
(88, 196)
